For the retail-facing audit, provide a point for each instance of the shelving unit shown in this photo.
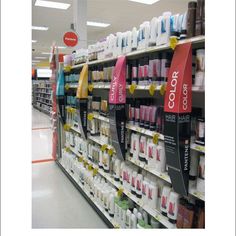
(42, 96)
(99, 88)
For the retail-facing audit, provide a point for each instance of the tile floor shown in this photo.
(56, 203)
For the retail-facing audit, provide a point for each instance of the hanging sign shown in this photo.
(177, 118)
(70, 39)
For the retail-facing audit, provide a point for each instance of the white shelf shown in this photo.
(144, 131)
(197, 147)
(43, 93)
(165, 177)
(75, 129)
(116, 225)
(98, 140)
(99, 117)
(193, 40)
(155, 213)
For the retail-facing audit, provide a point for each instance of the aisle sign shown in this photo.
(70, 39)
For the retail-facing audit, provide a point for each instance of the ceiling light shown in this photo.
(97, 24)
(40, 57)
(46, 53)
(148, 2)
(34, 41)
(39, 28)
(50, 4)
(35, 60)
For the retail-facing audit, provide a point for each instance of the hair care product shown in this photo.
(199, 18)
(150, 149)
(136, 145)
(164, 200)
(143, 148)
(145, 190)
(132, 112)
(199, 216)
(133, 182)
(147, 117)
(200, 133)
(134, 72)
(153, 115)
(160, 119)
(111, 209)
(153, 31)
(131, 145)
(180, 214)
(119, 43)
(194, 159)
(139, 216)
(153, 193)
(160, 157)
(106, 162)
(142, 115)
(174, 26)
(183, 33)
(201, 173)
(122, 166)
(100, 164)
(173, 207)
(137, 111)
(203, 18)
(133, 221)
(128, 219)
(128, 41)
(140, 71)
(154, 223)
(163, 28)
(134, 39)
(135, 212)
(138, 185)
(191, 19)
(200, 68)
(188, 216)
(117, 169)
(145, 70)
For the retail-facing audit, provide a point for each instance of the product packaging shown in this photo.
(153, 31)
(153, 193)
(147, 117)
(134, 72)
(143, 148)
(191, 19)
(133, 182)
(138, 185)
(201, 174)
(173, 203)
(134, 39)
(199, 18)
(194, 159)
(200, 132)
(152, 117)
(188, 216)
(180, 213)
(200, 68)
(136, 112)
(159, 157)
(164, 200)
(142, 115)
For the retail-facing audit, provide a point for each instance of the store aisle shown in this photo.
(56, 203)
(41, 136)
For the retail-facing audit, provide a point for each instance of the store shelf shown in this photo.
(44, 98)
(75, 129)
(42, 93)
(98, 140)
(43, 103)
(164, 176)
(194, 40)
(41, 109)
(105, 216)
(144, 131)
(197, 147)
(99, 117)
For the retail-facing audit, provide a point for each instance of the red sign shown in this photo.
(70, 39)
(178, 97)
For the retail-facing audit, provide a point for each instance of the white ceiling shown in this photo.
(121, 14)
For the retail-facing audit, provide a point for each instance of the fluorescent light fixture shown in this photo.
(61, 47)
(35, 60)
(97, 24)
(44, 73)
(50, 4)
(39, 28)
(34, 41)
(148, 2)
(40, 57)
(46, 53)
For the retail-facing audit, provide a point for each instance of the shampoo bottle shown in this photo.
(153, 31)
(164, 200)
(173, 207)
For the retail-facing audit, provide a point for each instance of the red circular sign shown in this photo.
(70, 39)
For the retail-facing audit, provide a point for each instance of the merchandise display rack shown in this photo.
(42, 96)
(198, 41)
